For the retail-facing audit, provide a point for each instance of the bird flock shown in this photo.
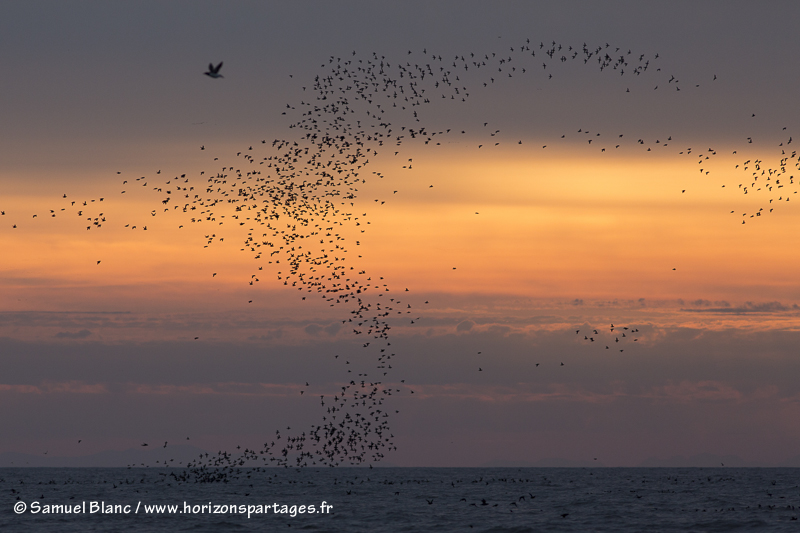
(294, 202)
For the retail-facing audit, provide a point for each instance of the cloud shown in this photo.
(73, 387)
(747, 307)
(466, 325)
(82, 334)
(231, 389)
(511, 394)
(315, 329)
(274, 334)
(500, 329)
(767, 307)
(687, 391)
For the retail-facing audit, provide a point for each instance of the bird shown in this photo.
(213, 72)
(343, 144)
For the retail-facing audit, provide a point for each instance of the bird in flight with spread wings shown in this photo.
(214, 71)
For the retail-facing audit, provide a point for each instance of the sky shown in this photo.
(557, 205)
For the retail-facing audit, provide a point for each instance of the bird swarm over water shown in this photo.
(294, 198)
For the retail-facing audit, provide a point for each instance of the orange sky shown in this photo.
(510, 222)
(514, 246)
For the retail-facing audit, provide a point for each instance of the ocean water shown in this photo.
(402, 499)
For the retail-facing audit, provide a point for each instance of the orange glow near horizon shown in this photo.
(510, 222)
(598, 229)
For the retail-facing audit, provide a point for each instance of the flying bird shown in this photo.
(213, 71)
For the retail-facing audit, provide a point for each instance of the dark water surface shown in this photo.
(405, 499)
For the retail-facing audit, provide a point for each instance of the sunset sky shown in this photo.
(509, 237)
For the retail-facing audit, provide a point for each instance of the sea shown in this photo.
(402, 499)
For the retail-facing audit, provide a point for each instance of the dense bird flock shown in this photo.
(294, 200)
